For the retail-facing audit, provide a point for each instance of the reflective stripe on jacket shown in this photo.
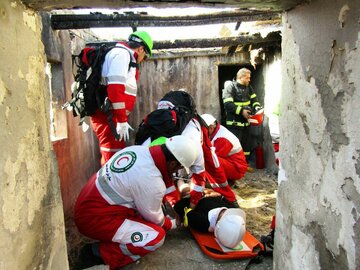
(235, 97)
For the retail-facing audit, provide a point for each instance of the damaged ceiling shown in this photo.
(273, 5)
(244, 10)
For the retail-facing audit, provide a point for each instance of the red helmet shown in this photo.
(257, 119)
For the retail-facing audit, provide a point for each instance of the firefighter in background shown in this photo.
(120, 79)
(227, 148)
(240, 102)
(121, 205)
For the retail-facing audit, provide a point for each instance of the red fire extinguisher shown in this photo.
(260, 162)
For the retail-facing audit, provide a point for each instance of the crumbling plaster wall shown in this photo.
(318, 225)
(31, 216)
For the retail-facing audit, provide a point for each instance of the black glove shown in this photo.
(257, 108)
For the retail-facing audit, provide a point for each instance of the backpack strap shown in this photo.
(132, 63)
(107, 106)
(107, 109)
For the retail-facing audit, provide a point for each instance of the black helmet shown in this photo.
(181, 99)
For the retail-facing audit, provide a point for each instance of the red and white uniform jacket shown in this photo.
(193, 131)
(197, 170)
(134, 179)
(121, 81)
(121, 205)
(229, 152)
(121, 90)
(206, 165)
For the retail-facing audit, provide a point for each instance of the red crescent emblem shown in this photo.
(120, 159)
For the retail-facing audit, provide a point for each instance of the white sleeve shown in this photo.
(147, 142)
(148, 197)
(193, 131)
(116, 66)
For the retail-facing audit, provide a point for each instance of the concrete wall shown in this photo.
(318, 225)
(31, 217)
(77, 152)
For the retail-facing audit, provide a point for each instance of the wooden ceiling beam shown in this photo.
(254, 40)
(134, 20)
(218, 42)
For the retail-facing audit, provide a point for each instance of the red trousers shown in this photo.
(216, 175)
(234, 166)
(124, 236)
(108, 144)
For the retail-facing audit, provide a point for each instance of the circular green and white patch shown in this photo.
(123, 162)
(136, 237)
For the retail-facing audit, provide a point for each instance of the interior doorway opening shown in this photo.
(228, 72)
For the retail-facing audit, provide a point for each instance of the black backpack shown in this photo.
(88, 95)
(181, 99)
(162, 123)
(168, 122)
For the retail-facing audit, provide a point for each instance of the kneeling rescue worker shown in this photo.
(120, 206)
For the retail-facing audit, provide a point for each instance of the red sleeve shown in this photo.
(223, 147)
(196, 192)
(122, 103)
(167, 224)
(172, 197)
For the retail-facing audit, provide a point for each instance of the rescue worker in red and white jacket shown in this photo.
(228, 149)
(121, 205)
(120, 76)
(206, 166)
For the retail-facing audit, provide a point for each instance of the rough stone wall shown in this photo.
(31, 216)
(318, 209)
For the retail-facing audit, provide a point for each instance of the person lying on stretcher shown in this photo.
(213, 214)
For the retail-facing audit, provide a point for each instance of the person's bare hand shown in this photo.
(246, 113)
(211, 193)
(185, 192)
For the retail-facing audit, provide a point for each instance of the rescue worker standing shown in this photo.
(121, 205)
(239, 101)
(120, 73)
(227, 148)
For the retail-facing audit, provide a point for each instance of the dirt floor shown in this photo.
(256, 195)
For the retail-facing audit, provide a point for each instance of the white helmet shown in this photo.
(208, 118)
(183, 149)
(230, 229)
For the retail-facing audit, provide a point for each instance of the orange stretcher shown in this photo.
(248, 248)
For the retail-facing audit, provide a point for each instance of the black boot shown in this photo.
(87, 257)
(268, 241)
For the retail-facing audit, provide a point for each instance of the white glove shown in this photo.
(173, 224)
(123, 130)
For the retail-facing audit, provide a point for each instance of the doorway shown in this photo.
(228, 72)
